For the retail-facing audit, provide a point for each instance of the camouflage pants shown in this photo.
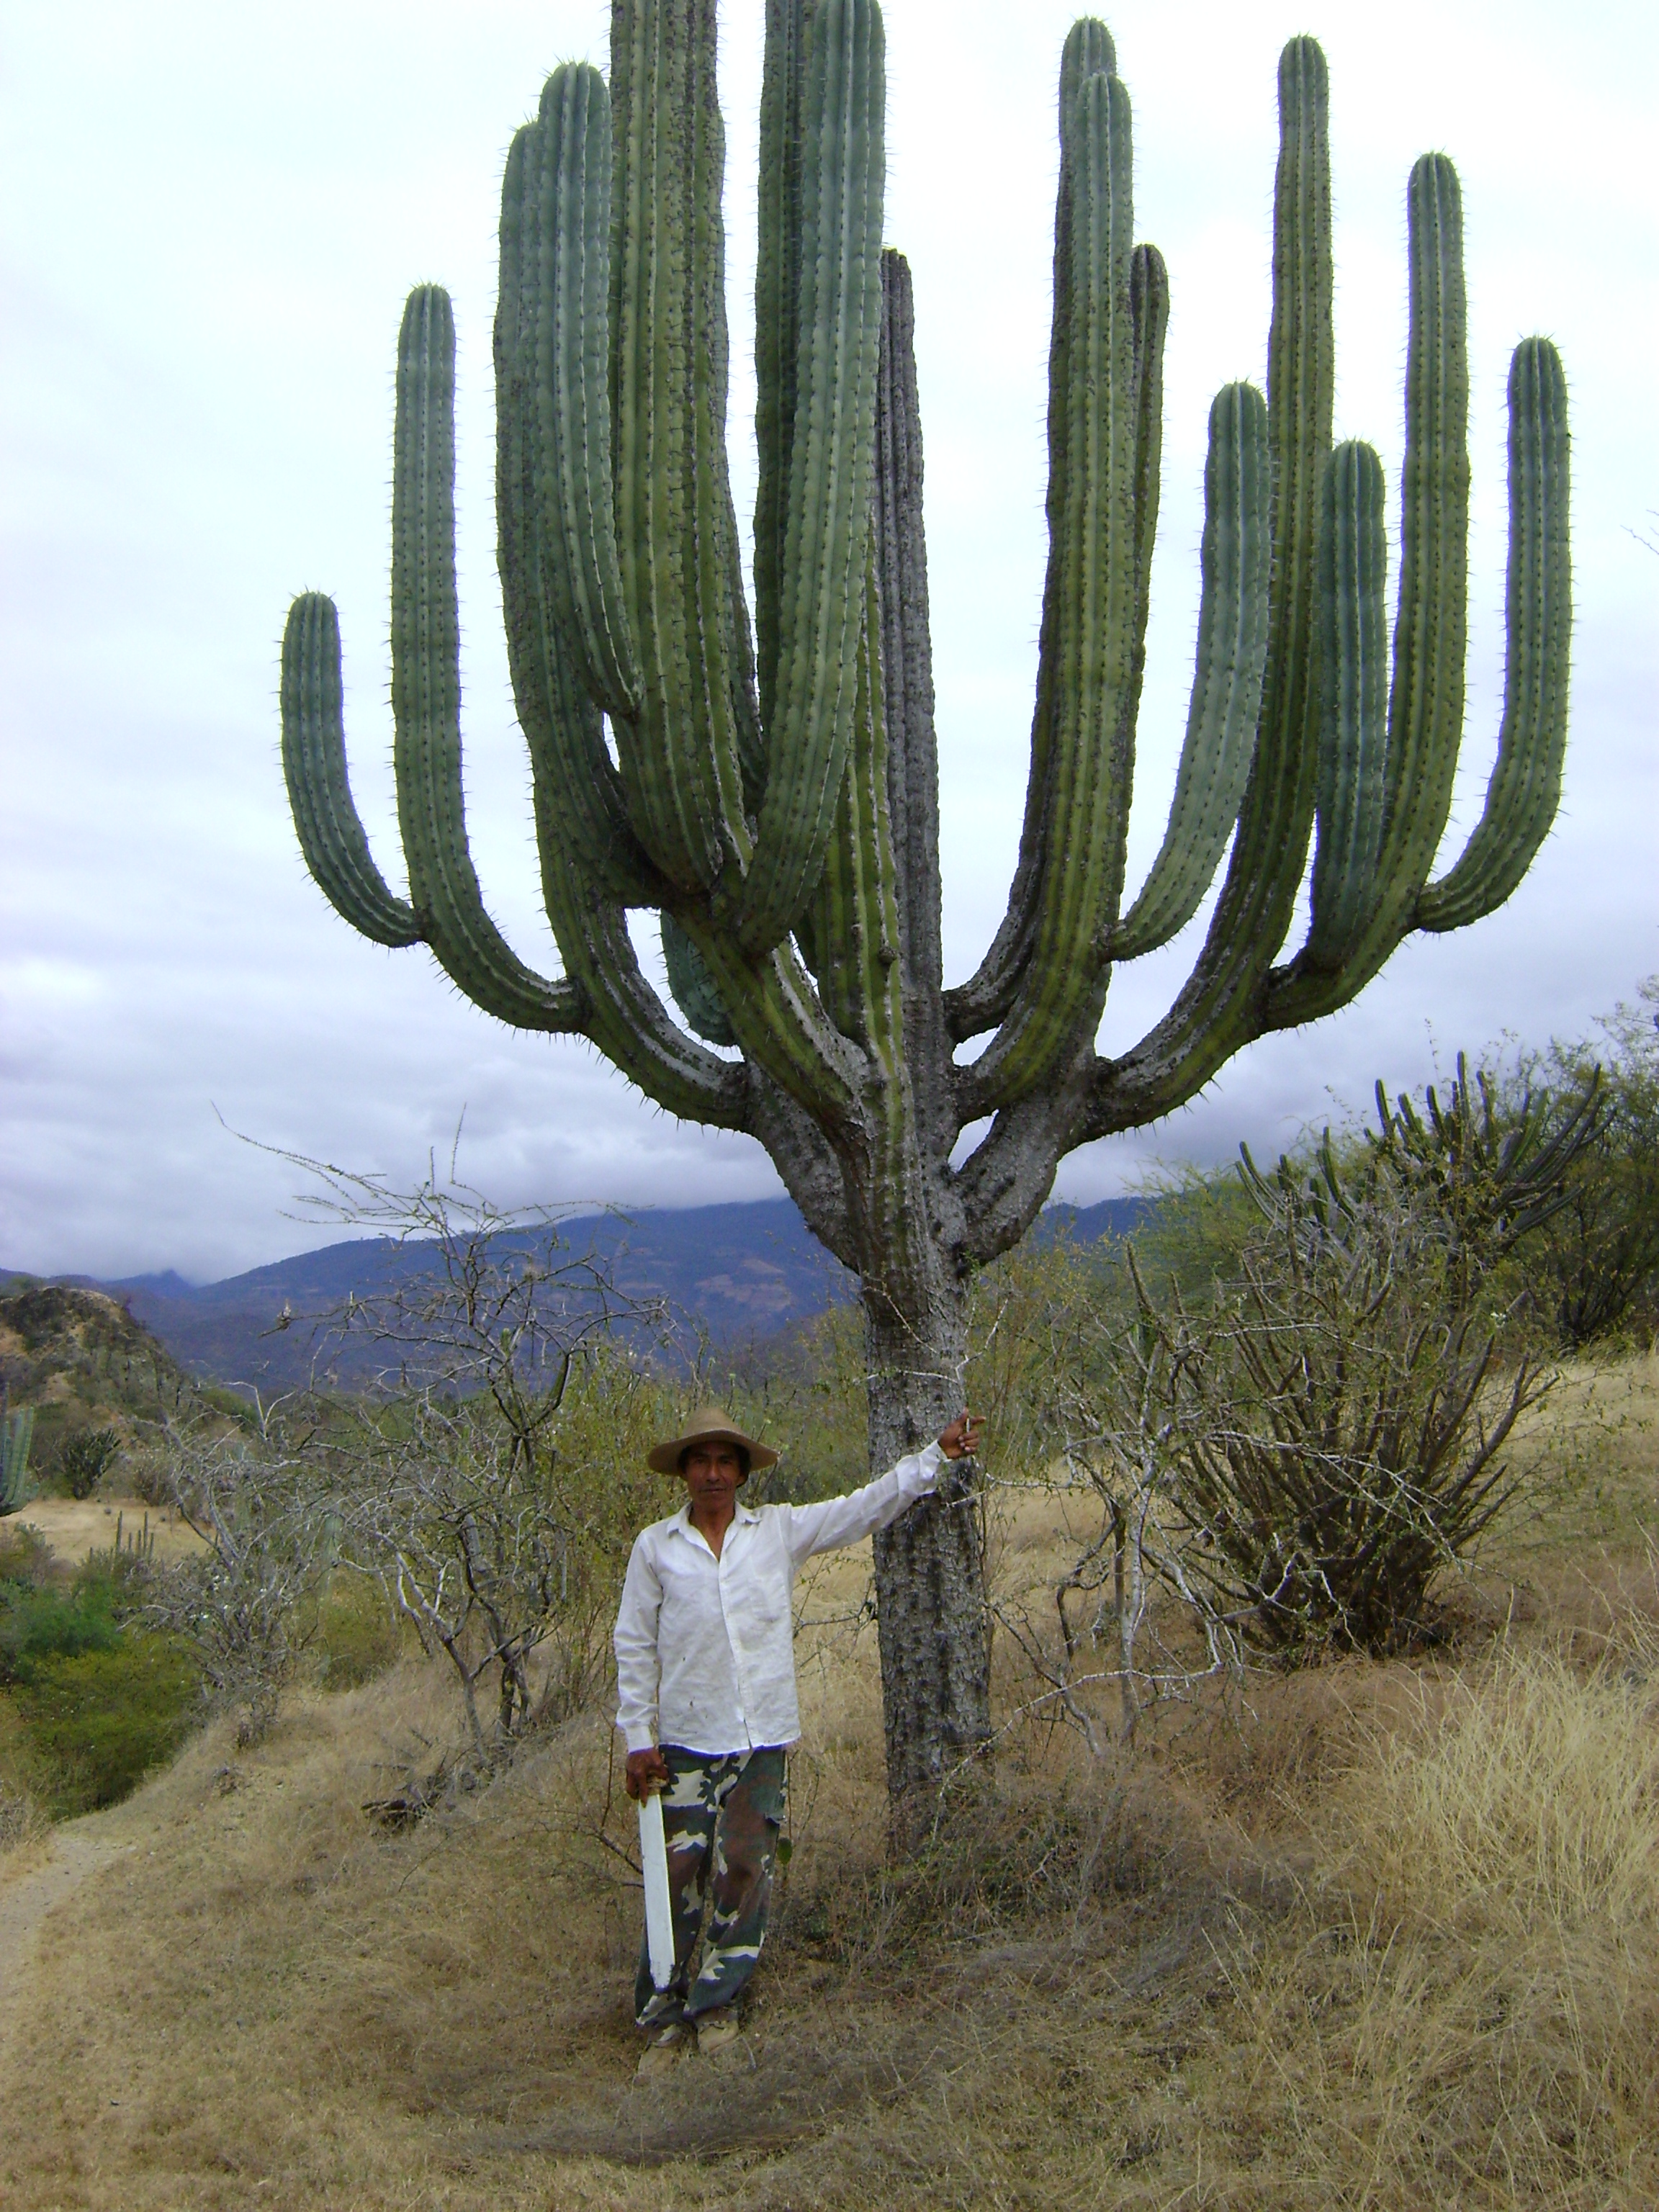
(722, 1816)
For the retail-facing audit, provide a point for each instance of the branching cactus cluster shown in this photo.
(773, 793)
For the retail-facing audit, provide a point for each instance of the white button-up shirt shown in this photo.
(705, 1646)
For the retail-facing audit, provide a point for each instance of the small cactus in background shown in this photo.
(773, 796)
(16, 1434)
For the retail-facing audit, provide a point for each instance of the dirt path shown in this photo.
(75, 1849)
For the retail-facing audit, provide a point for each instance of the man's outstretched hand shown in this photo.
(962, 1439)
(647, 1770)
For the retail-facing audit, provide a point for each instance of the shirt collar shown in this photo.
(681, 1520)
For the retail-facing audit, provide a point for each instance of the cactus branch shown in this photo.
(1526, 781)
(318, 789)
(1226, 696)
(426, 687)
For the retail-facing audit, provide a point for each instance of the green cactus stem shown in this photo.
(772, 796)
(17, 1435)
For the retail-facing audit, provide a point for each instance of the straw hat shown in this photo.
(709, 1424)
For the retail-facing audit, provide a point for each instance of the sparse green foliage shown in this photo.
(1332, 1430)
(1594, 1265)
(100, 1719)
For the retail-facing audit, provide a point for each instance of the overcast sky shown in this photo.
(210, 216)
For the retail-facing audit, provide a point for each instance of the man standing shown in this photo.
(706, 1679)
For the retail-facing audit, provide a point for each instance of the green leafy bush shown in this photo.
(101, 1720)
(39, 1623)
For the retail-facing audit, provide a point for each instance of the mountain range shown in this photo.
(739, 1274)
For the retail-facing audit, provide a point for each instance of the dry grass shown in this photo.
(1387, 1937)
(75, 1526)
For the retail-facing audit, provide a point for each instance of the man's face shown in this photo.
(712, 1473)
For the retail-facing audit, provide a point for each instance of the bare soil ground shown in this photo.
(1378, 1935)
(75, 1527)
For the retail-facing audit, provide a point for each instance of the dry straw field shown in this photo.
(1373, 1934)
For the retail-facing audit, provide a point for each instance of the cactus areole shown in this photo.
(772, 793)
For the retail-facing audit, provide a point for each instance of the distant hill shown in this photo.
(83, 1361)
(742, 1272)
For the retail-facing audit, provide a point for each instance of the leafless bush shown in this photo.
(505, 1556)
(270, 1522)
(493, 1478)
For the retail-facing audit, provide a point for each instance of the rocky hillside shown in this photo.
(83, 1363)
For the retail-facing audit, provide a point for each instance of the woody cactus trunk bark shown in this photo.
(775, 801)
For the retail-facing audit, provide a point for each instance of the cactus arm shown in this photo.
(777, 319)
(815, 684)
(1235, 560)
(1220, 1007)
(906, 667)
(680, 764)
(1093, 634)
(318, 790)
(693, 986)
(1353, 725)
(981, 1003)
(1425, 694)
(426, 687)
(16, 1433)
(854, 930)
(1526, 781)
(1149, 317)
(561, 722)
(568, 282)
(1426, 697)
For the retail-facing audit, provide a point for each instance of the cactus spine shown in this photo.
(773, 797)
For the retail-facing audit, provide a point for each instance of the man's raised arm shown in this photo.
(838, 1520)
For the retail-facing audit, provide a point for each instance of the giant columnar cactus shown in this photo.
(776, 802)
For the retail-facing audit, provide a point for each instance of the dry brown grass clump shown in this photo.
(1384, 1936)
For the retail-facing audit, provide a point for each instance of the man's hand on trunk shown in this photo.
(647, 1770)
(962, 1439)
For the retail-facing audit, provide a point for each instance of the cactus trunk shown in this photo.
(773, 796)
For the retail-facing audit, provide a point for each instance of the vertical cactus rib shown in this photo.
(562, 723)
(426, 687)
(1093, 631)
(570, 426)
(1234, 559)
(1354, 686)
(318, 789)
(1525, 786)
(680, 762)
(983, 1001)
(830, 463)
